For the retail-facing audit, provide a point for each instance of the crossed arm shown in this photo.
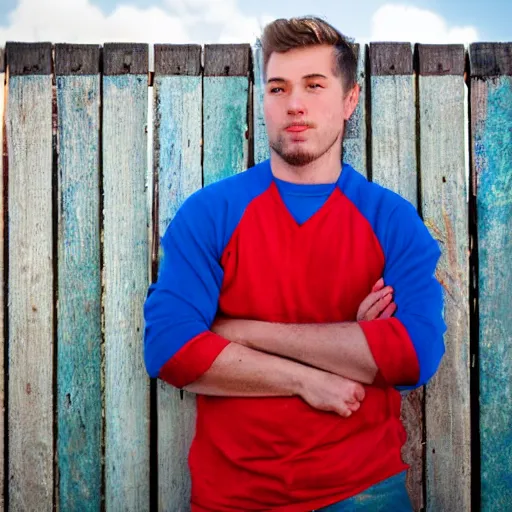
(186, 347)
(265, 359)
(338, 348)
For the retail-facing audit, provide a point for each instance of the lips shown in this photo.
(297, 128)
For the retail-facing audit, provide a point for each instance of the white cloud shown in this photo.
(180, 21)
(411, 24)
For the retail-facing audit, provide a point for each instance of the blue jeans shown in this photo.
(390, 495)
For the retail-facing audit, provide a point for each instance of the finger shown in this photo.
(379, 307)
(378, 285)
(354, 406)
(346, 413)
(359, 393)
(389, 311)
(370, 300)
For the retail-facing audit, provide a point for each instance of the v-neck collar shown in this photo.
(313, 219)
(337, 192)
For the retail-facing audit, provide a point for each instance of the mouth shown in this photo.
(297, 128)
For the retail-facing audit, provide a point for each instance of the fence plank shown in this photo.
(177, 160)
(354, 143)
(491, 127)
(444, 207)
(225, 107)
(261, 148)
(2, 304)
(393, 121)
(79, 397)
(30, 282)
(125, 102)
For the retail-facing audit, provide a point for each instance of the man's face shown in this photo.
(305, 105)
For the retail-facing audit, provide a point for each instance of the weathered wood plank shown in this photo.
(126, 253)
(30, 282)
(2, 273)
(177, 161)
(354, 143)
(79, 400)
(261, 148)
(225, 104)
(491, 128)
(393, 122)
(444, 208)
(393, 119)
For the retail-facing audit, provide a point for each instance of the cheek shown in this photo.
(332, 112)
(271, 114)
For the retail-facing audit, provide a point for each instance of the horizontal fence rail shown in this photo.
(99, 152)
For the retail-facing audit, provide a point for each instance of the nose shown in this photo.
(296, 104)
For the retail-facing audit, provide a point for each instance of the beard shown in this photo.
(299, 157)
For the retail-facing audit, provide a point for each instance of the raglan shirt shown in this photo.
(255, 247)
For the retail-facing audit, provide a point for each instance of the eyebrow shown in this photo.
(311, 75)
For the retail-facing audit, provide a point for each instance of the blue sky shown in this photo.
(207, 21)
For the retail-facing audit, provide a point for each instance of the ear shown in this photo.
(350, 101)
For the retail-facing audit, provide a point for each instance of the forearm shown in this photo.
(242, 371)
(339, 348)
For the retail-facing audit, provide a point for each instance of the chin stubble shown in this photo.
(299, 158)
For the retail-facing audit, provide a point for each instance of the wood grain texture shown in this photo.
(491, 126)
(354, 143)
(177, 160)
(79, 399)
(491, 59)
(261, 147)
(30, 295)
(227, 59)
(77, 59)
(444, 207)
(393, 123)
(176, 59)
(29, 58)
(225, 124)
(2, 274)
(125, 59)
(441, 59)
(126, 278)
(388, 59)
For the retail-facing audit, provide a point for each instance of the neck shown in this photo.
(325, 169)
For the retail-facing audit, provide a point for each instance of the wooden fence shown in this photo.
(85, 200)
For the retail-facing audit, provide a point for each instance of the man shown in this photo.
(270, 305)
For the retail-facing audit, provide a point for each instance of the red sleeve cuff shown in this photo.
(193, 359)
(393, 352)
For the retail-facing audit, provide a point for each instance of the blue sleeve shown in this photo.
(409, 347)
(182, 303)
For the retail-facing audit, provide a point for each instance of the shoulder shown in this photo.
(214, 211)
(393, 218)
(237, 190)
(374, 201)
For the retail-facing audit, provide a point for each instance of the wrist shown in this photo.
(300, 378)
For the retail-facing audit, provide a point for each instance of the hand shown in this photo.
(378, 304)
(328, 392)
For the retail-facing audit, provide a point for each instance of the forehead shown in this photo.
(300, 62)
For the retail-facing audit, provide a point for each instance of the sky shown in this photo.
(239, 21)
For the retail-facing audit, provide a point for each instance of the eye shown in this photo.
(276, 90)
(315, 86)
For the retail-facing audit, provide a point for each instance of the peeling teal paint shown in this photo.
(493, 163)
(79, 311)
(178, 115)
(225, 127)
